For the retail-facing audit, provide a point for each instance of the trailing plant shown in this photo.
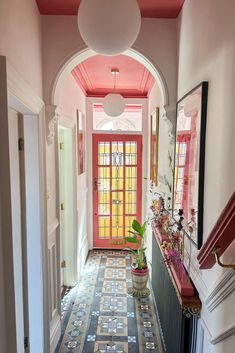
(138, 237)
(173, 228)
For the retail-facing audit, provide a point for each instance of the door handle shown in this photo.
(95, 184)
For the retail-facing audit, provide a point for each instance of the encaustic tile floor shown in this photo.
(99, 316)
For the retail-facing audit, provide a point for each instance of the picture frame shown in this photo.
(189, 161)
(81, 142)
(154, 141)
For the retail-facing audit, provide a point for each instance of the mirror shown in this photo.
(189, 161)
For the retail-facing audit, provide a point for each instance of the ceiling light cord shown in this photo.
(115, 81)
(115, 72)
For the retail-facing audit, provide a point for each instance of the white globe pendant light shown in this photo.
(114, 103)
(109, 27)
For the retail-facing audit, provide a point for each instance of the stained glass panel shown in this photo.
(104, 153)
(104, 227)
(131, 153)
(116, 189)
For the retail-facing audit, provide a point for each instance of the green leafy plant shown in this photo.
(138, 237)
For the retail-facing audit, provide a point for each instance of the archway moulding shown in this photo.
(86, 53)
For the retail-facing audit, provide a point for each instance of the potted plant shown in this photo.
(139, 270)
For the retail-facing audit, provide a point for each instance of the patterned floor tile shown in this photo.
(109, 325)
(111, 347)
(98, 316)
(114, 287)
(113, 304)
(114, 273)
(116, 262)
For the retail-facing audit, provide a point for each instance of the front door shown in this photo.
(117, 187)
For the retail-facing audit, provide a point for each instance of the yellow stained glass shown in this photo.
(117, 172)
(117, 146)
(130, 202)
(104, 227)
(128, 223)
(104, 172)
(117, 178)
(117, 231)
(104, 203)
(111, 170)
(131, 153)
(131, 178)
(104, 153)
(117, 203)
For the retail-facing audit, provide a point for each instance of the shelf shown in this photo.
(186, 293)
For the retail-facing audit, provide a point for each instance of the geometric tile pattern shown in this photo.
(118, 287)
(113, 304)
(110, 326)
(98, 316)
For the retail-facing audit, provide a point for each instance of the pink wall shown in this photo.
(20, 39)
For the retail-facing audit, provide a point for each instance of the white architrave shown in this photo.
(66, 122)
(23, 99)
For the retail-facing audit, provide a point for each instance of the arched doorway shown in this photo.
(84, 56)
(65, 70)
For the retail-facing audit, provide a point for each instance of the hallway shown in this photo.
(99, 316)
(94, 139)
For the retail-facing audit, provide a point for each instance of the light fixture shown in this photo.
(109, 27)
(114, 103)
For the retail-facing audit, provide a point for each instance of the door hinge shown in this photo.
(21, 144)
(63, 264)
(26, 342)
(62, 206)
(61, 145)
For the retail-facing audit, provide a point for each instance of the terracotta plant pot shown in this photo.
(139, 281)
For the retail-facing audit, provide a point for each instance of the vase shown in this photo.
(139, 282)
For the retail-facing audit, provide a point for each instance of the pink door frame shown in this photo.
(96, 138)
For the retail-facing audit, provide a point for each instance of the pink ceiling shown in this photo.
(149, 8)
(94, 77)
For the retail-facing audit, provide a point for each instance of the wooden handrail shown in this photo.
(221, 236)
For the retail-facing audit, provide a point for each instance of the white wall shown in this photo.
(70, 99)
(20, 39)
(165, 146)
(68, 224)
(16, 227)
(20, 42)
(154, 99)
(207, 52)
